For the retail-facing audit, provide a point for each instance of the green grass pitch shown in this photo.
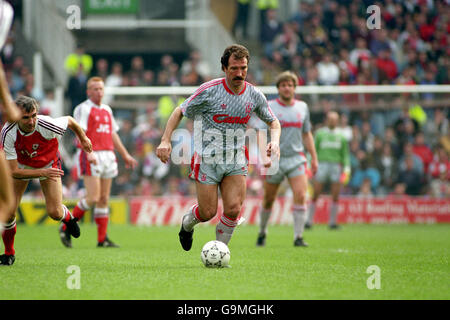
(413, 261)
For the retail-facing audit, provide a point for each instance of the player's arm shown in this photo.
(13, 113)
(273, 147)
(310, 146)
(130, 162)
(18, 173)
(85, 142)
(165, 148)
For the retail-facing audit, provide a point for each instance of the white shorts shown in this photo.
(289, 167)
(105, 168)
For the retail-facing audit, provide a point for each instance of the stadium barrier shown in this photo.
(33, 212)
(161, 211)
(169, 210)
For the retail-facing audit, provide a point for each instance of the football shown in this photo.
(215, 254)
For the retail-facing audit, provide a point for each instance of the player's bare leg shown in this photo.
(204, 210)
(299, 185)
(233, 191)
(52, 189)
(317, 187)
(101, 215)
(270, 194)
(9, 234)
(92, 185)
(335, 191)
(6, 191)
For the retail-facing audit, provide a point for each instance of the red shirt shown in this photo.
(98, 123)
(36, 149)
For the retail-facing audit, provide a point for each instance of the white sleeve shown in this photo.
(51, 128)
(81, 115)
(8, 141)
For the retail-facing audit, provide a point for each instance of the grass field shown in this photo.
(413, 262)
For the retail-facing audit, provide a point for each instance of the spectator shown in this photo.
(367, 137)
(264, 6)
(287, 42)
(269, 30)
(48, 104)
(436, 126)
(421, 149)
(386, 66)
(411, 177)
(101, 68)
(409, 154)
(241, 19)
(196, 64)
(328, 71)
(440, 164)
(365, 170)
(75, 60)
(360, 52)
(387, 165)
(365, 191)
(77, 87)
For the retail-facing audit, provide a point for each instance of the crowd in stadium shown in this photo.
(394, 151)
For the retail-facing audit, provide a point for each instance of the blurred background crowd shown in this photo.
(399, 144)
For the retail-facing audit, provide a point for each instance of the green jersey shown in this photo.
(331, 146)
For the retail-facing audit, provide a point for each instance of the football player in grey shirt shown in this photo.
(295, 137)
(221, 108)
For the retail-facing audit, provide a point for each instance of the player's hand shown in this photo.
(163, 151)
(130, 162)
(91, 158)
(52, 173)
(86, 145)
(314, 166)
(273, 150)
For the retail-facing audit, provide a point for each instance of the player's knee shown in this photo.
(55, 213)
(300, 198)
(102, 201)
(207, 213)
(233, 211)
(92, 199)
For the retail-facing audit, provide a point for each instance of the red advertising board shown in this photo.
(169, 210)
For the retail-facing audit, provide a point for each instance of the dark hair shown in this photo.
(27, 103)
(237, 50)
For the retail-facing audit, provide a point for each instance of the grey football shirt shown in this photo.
(294, 120)
(221, 116)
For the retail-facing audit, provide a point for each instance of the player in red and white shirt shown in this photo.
(224, 107)
(100, 167)
(31, 147)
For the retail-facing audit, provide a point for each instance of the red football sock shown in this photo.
(78, 212)
(8, 237)
(102, 226)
